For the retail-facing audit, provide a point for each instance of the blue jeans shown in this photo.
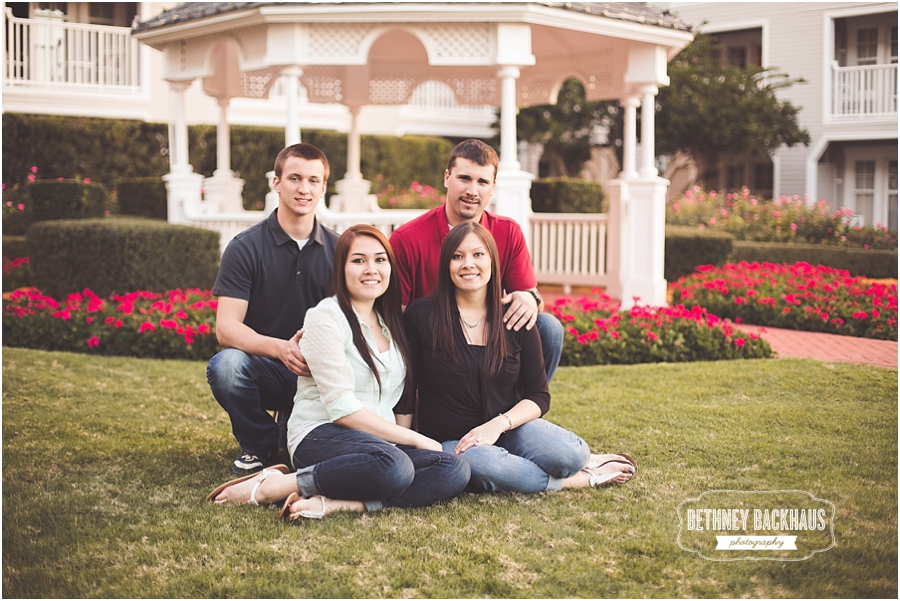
(535, 457)
(342, 463)
(246, 386)
(551, 331)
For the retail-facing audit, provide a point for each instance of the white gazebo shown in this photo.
(508, 54)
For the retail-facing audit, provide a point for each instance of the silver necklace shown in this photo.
(472, 326)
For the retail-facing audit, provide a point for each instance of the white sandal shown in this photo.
(275, 469)
(309, 514)
(595, 480)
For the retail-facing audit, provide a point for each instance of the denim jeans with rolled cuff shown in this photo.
(246, 386)
(341, 463)
(535, 457)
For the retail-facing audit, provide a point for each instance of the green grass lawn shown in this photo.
(106, 463)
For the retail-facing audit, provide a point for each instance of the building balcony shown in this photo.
(864, 92)
(49, 53)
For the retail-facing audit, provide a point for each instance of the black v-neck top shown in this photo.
(455, 397)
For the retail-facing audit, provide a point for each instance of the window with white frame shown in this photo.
(892, 194)
(867, 46)
(864, 191)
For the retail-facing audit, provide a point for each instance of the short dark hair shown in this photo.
(302, 151)
(476, 151)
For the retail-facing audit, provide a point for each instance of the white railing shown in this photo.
(54, 53)
(566, 249)
(864, 91)
(569, 249)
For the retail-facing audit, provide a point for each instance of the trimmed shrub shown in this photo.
(688, 247)
(143, 197)
(15, 211)
(112, 150)
(566, 195)
(108, 255)
(870, 263)
(16, 273)
(14, 246)
(68, 199)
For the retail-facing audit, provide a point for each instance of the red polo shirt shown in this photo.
(417, 247)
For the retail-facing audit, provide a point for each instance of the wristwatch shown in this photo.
(537, 297)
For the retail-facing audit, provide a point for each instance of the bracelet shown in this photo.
(511, 425)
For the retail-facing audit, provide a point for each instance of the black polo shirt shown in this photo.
(264, 266)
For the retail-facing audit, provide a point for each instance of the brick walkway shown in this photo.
(793, 343)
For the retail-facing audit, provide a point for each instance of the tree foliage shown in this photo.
(718, 113)
(565, 128)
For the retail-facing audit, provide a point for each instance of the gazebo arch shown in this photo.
(490, 53)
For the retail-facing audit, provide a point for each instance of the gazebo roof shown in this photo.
(635, 12)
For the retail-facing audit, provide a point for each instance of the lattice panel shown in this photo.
(390, 91)
(192, 55)
(459, 41)
(252, 41)
(475, 91)
(323, 88)
(535, 90)
(331, 41)
(257, 84)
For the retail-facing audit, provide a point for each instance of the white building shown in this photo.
(847, 54)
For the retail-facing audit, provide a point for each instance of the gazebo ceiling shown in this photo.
(377, 53)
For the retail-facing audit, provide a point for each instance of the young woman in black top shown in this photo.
(470, 370)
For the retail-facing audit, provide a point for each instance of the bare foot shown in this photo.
(618, 472)
(274, 487)
(598, 459)
(317, 507)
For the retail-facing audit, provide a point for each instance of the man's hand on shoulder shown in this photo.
(522, 311)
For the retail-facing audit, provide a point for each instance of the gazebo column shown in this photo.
(184, 187)
(619, 210)
(291, 79)
(512, 196)
(223, 190)
(643, 223)
(629, 138)
(353, 191)
(291, 76)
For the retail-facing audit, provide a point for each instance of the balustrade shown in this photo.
(54, 52)
(863, 91)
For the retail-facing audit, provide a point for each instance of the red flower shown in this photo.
(203, 328)
(146, 326)
(739, 342)
(93, 341)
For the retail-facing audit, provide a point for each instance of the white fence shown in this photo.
(45, 52)
(566, 249)
(569, 249)
(864, 91)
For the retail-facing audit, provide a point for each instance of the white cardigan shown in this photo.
(341, 382)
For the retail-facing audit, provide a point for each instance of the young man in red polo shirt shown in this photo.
(470, 178)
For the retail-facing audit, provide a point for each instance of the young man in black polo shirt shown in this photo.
(269, 276)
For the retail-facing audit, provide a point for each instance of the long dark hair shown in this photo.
(444, 321)
(387, 305)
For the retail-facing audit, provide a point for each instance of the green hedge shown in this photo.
(14, 246)
(566, 195)
(50, 200)
(111, 150)
(143, 197)
(108, 255)
(874, 264)
(687, 247)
